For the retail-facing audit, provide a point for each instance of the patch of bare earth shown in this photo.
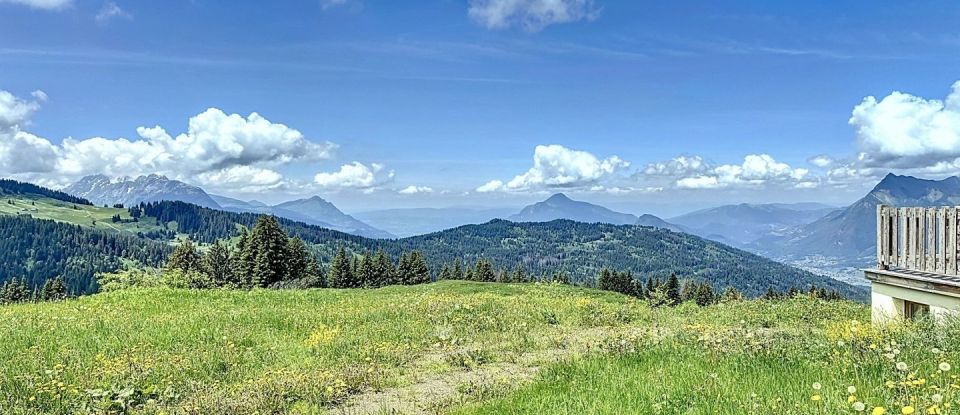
(435, 392)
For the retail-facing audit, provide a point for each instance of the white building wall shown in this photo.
(888, 301)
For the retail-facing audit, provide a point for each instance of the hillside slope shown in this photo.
(745, 223)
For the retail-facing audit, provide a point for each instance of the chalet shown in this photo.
(917, 267)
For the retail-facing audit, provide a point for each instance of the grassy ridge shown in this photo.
(86, 216)
(266, 351)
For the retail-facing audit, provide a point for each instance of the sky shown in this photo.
(658, 107)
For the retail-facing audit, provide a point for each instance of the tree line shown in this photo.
(671, 292)
(18, 291)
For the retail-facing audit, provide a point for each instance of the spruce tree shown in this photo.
(218, 264)
(704, 294)
(404, 269)
(672, 290)
(457, 270)
(298, 262)
(385, 270)
(732, 294)
(483, 271)
(419, 270)
(519, 274)
(446, 273)
(185, 258)
(268, 249)
(367, 272)
(340, 274)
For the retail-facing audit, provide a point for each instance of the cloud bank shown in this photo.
(532, 15)
(558, 167)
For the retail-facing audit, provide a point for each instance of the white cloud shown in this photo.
(111, 10)
(218, 149)
(213, 141)
(355, 175)
(241, 178)
(756, 170)
(42, 4)
(906, 131)
(491, 186)
(532, 15)
(678, 166)
(412, 190)
(821, 160)
(555, 166)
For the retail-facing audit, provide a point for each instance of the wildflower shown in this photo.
(907, 410)
(851, 389)
(859, 406)
(817, 386)
(901, 366)
(935, 350)
(944, 366)
(936, 398)
(815, 398)
(851, 399)
(878, 411)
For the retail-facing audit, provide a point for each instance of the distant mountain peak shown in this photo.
(558, 198)
(104, 190)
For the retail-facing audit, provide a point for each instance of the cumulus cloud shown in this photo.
(906, 131)
(555, 166)
(110, 11)
(755, 170)
(217, 148)
(42, 4)
(678, 166)
(412, 190)
(532, 15)
(821, 160)
(355, 175)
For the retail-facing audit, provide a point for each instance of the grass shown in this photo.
(90, 217)
(263, 351)
(334, 351)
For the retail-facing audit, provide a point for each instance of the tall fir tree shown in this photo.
(457, 270)
(299, 259)
(367, 271)
(341, 274)
(185, 258)
(385, 270)
(217, 263)
(672, 290)
(483, 271)
(268, 249)
(419, 270)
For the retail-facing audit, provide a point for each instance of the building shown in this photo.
(917, 267)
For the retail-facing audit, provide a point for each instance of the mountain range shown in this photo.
(848, 236)
(103, 190)
(579, 249)
(742, 224)
(559, 206)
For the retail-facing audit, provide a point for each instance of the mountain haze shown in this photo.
(744, 223)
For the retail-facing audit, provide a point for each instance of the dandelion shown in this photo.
(817, 386)
(935, 350)
(907, 410)
(944, 367)
(851, 389)
(859, 406)
(879, 410)
(936, 398)
(901, 366)
(815, 398)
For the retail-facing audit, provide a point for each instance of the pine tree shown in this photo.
(483, 271)
(218, 264)
(732, 294)
(367, 272)
(446, 273)
(688, 291)
(245, 258)
(704, 294)
(419, 270)
(519, 274)
(267, 246)
(299, 259)
(385, 270)
(457, 270)
(673, 290)
(185, 258)
(340, 274)
(403, 269)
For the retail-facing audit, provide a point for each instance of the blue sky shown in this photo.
(452, 95)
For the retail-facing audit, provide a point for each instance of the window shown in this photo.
(913, 311)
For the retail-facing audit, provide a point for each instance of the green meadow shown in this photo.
(463, 348)
(90, 217)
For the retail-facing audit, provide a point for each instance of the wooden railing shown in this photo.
(916, 238)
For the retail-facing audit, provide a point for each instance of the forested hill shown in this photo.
(37, 250)
(13, 187)
(577, 249)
